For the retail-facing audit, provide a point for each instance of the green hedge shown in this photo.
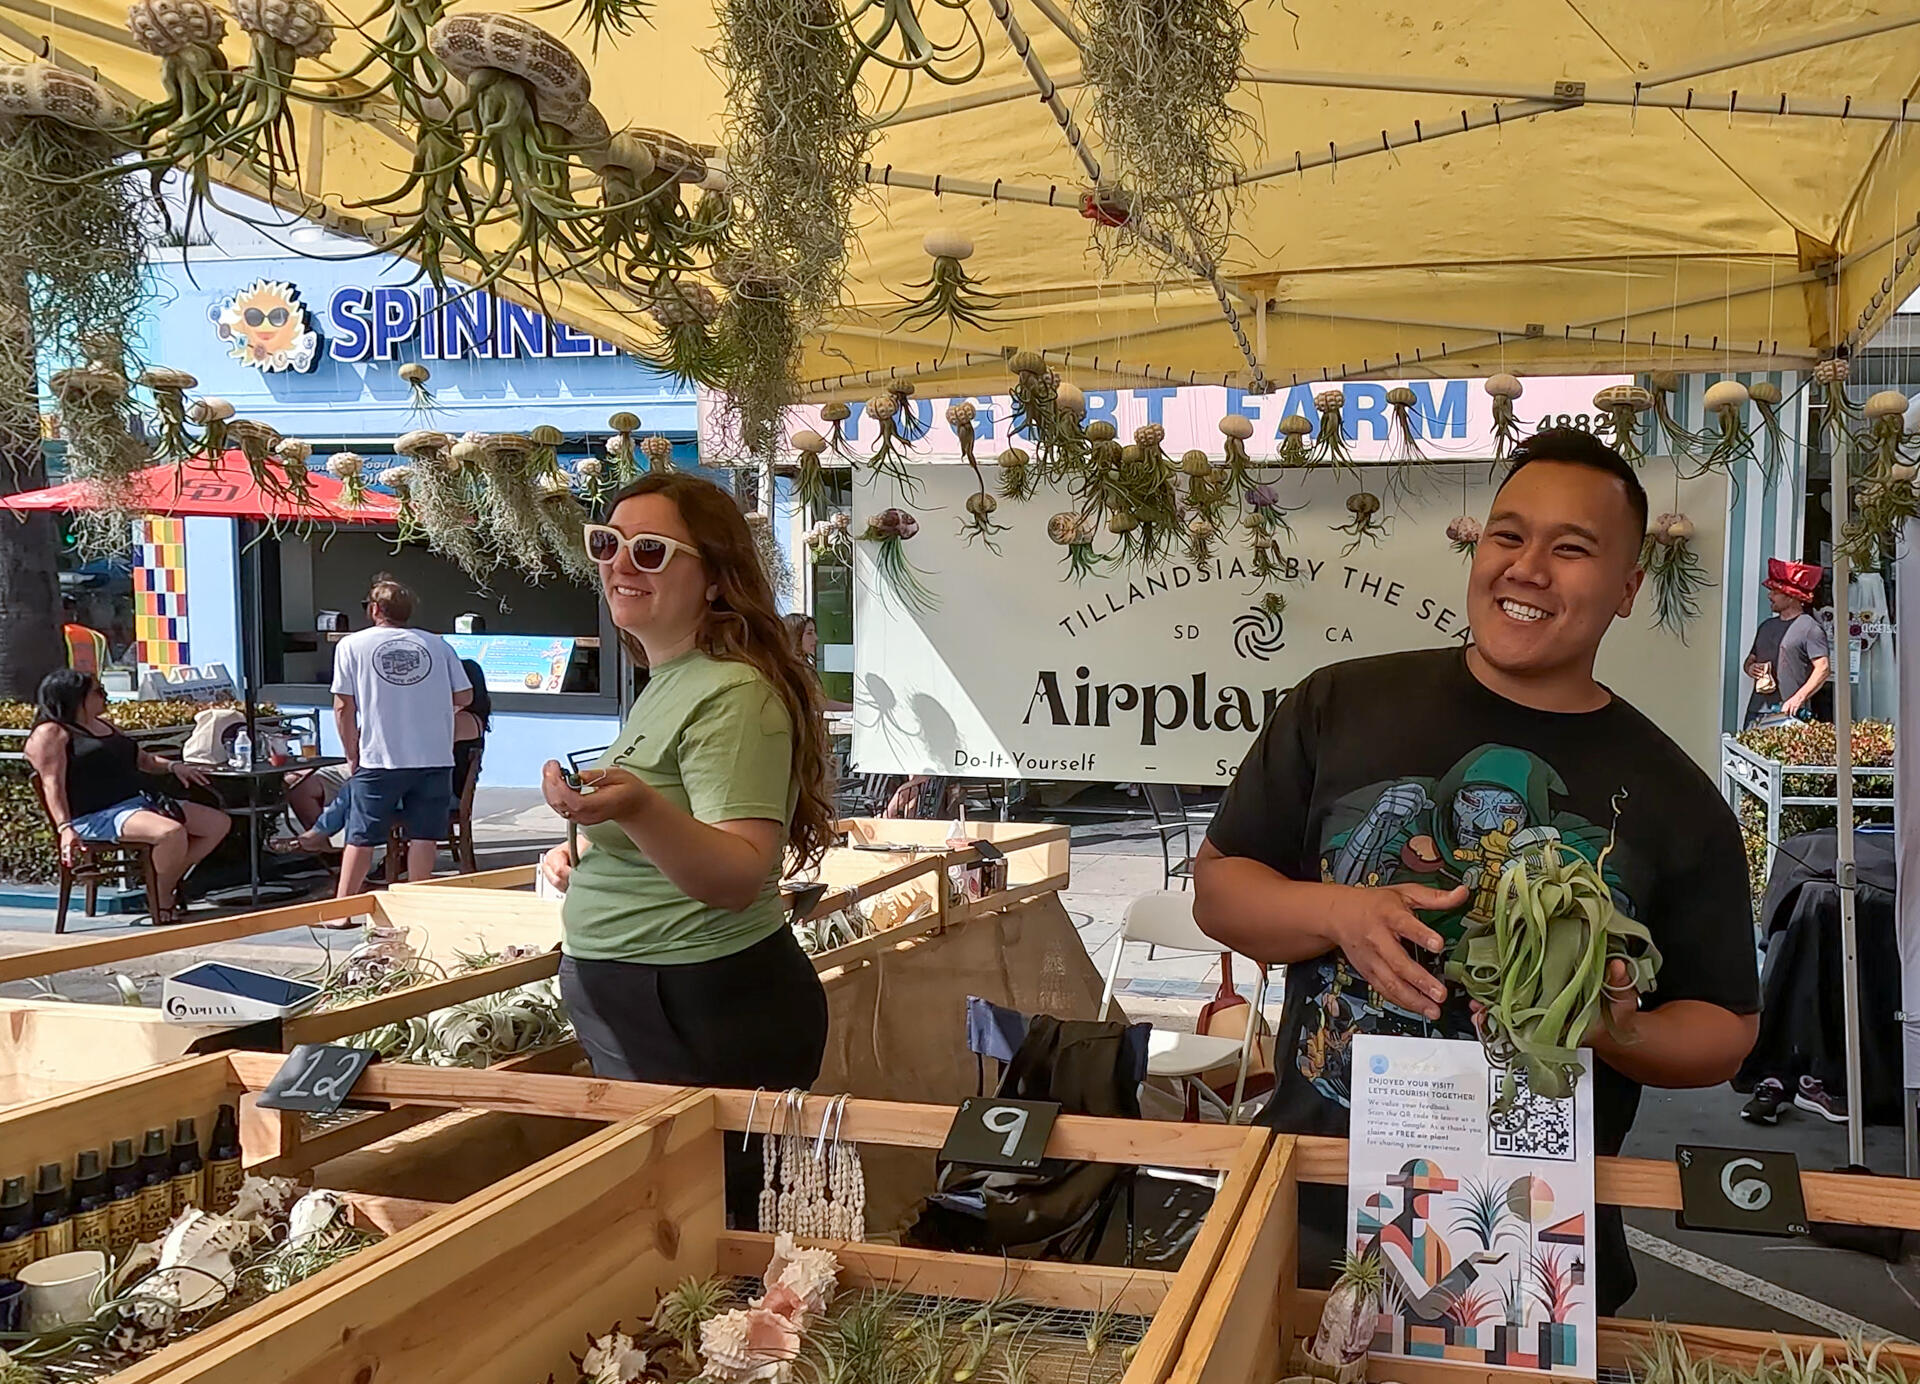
(28, 851)
(1812, 742)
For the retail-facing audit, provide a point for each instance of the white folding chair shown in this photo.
(1164, 918)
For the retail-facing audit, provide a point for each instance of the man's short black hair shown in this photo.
(1578, 447)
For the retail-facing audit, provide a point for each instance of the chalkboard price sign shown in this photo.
(316, 1078)
(993, 1132)
(1749, 1191)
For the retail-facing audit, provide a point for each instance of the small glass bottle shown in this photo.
(186, 1187)
(16, 1227)
(224, 1173)
(52, 1213)
(123, 1211)
(91, 1218)
(156, 1203)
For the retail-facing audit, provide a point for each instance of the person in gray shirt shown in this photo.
(1789, 659)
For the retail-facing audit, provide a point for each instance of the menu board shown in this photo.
(518, 662)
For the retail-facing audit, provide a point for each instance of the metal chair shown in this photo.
(1165, 919)
(97, 863)
(1170, 820)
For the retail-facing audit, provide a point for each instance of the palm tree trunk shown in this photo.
(30, 640)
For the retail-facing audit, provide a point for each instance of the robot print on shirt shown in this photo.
(1460, 828)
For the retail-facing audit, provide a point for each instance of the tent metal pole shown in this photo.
(1844, 876)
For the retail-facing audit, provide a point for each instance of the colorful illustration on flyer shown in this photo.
(1461, 828)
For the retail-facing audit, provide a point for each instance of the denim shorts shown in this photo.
(419, 801)
(107, 823)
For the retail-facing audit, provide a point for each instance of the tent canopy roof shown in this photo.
(1419, 198)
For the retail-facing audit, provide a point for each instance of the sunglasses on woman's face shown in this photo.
(649, 552)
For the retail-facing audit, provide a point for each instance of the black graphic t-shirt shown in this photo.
(1405, 769)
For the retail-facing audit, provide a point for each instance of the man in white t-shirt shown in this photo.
(395, 690)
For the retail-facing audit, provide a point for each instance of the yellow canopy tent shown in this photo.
(1452, 188)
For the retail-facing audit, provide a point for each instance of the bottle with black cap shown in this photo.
(52, 1213)
(92, 1220)
(156, 1204)
(185, 1186)
(224, 1173)
(123, 1211)
(16, 1227)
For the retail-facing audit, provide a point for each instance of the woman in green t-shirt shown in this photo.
(678, 965)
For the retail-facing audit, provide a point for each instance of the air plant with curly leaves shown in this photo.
(211, 415)
(1767, 398)
(1624, 404)
(1464, 533)
(980, 522)
(350, 469)
(1268, 564)
(543, 460)
(1885, 498)
(621, 449)
(1263, 501)
(1295, 429)
(835, 416)
(894, 34)
(810, 476)
(894, 572)
(906, 418)
(443, 501)
(1077, 533)
(1503, 389)
(1681, 441)
(831, 540)
(1366, 520)
(1161, 74)
(890, 451)
(1726, 402)
(690, 350)
(399, 481)
(420, 399)
(645, 236)
(1036, 401)
(259, 444)
(949, 294)
(1236, 461)
(1330, 442)
(1070, 446)
(1675, 571)
(281, 32)
(1018, 478)
(961, 414)
(173, 440)
(1207, 495)
(1201, 532)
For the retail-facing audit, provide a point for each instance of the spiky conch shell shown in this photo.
(614, 1358)
(319, 1214)
(196, 1260)
(167, 27)
(810, 1275)
(261, 1201)
(301, 25)
(731, 1354)
(41, 90)
(656, 448)
(467, 43)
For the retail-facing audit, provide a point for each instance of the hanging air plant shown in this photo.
(835, 416)
(1623, 404)
(1330, 444)
(1675, 570)
(960, 416)
(187, 124)
(894, 572)
(1018, 479)
(282, 32)
(1268, 564)
(1403, 430)
(949, 294)
(1503, 389)
(102, 452)
(211, 415)
(890, 450)
(442, 496)
(1725, 402)
(1295, 428)
(810, 477)
(689, 349)
(349, 468)
(906, 419)
(1767, 398)
(831, 540)
(1366, 520)
(620, 448)
(259, 445)
(1237, 430)
(1149, 438)
(938, 41)
(1070, 447)
(562, 517)
(1263, 501)
(419, 398)
(1162, 75)
(1207, 495)
(980, 522)
(658, 451)
(593, 481)
(1200, 535)
(544, 457)
(399, 480)
(293, 455)
(1464, 533)
(1841, 415)
(1147, 497)
(169, 389)
(1885, 499)
(510, 514)
(1036, 399)
(761, 336)
(1664, 385)
(1077, 533)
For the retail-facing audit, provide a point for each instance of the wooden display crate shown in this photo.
(1247, 1318)
(502, 1286)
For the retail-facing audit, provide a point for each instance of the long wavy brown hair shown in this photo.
(742, 625)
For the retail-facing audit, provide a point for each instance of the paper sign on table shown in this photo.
(1483, 1223)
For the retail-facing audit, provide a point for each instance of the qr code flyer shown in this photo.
(1483, 1224)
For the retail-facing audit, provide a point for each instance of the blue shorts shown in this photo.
(419, 801)
(107, 823)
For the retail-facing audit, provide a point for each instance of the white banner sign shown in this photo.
(1451, 417)
(1165, 674)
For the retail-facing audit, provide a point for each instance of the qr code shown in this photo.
(1533, 1126)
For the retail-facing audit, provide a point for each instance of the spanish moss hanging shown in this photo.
(444, 501)
(1675, 572)
(761, 335)
(101, 452)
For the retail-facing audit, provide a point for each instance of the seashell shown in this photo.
(836, 412)
(882, 407)
(672, 156)
(1902, 472)
(167, 27)
(1100, 430)
(1616, 396)
(1726, 394)
(504, 445)
(1680, 529)
(980, 504)
(1833, 370)
(346, 464)
(1401, 397)
(947, 245)
(1149, 435)
(546, 435)
(1363, 504)
(53, 93)
(293, 450)
(1237, 427)
(1329, 399)
(262, 1201)
(1887, 403)
(88, 384)
(613, 1359)
(656, 449)
(1014, 458)
(318, 1213)
(196, 1260)
(414, 373)
(1503, 386)
(467, 43)
(684, 305)
(255, 438)
(422, 442)
(809, 441)
(624, 422)
(1263, 496)
(901, 390)
(747, 1345)
(1195, 463)
(1664, 381)
(1200, 527)
(584, 122)
(1464, 529)
(961, 413)
(1027, 363)
(1064, 528)
(589, 468)
(1120, 521)
(160, 379)
(301, 25)
(1071, 400)
(209, 410)
(1296, 425)
(1765, 392)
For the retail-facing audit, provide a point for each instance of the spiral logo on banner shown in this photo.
(1256, 634)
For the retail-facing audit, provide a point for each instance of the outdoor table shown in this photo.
(253, 777)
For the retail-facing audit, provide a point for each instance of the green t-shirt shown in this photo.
(713, 737)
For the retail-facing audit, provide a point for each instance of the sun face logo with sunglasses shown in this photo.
(265, 326)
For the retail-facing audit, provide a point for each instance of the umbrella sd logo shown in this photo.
(265, 325)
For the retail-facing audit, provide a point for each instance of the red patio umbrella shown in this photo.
(225, 491)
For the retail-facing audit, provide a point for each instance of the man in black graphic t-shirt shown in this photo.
(1376, 810)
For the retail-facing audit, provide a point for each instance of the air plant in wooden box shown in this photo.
(1675, 571)
(1162, 74)
(1348, 1322)
(895, 575)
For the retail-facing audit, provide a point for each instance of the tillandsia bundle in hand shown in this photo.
(897, 578)
(1674, 570)
(1348, 1323)
(1538, 966)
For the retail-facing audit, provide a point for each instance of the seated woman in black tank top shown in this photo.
(96, 783)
